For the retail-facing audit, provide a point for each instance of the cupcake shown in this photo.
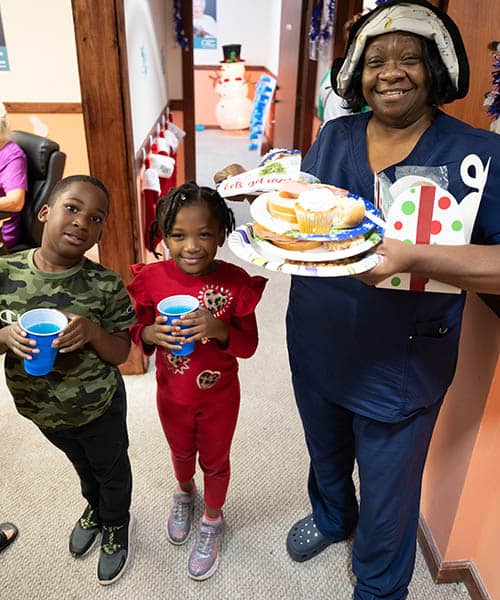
(315, 211)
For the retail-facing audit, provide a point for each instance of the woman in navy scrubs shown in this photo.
(370, 366)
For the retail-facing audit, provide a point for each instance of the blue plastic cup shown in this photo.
(42, 325)
(172, 308)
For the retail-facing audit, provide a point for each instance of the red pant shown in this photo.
(205, 426)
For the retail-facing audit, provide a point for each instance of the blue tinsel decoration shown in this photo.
(181, 37)
(321, 29)
(494, 102)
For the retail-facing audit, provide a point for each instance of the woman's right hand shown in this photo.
(230, 171)
(14, 338)
(161, 334)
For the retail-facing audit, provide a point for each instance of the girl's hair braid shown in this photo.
(185, 195)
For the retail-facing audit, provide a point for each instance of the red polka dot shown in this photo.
(436, 227)
(444, 202)
(398, 225)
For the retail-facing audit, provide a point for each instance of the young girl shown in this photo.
(197, 395)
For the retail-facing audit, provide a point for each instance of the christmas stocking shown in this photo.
(151, 193)
(166, 144)
(164, 166)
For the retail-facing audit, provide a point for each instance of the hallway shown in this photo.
(39, 491)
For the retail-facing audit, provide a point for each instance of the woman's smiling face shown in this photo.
(394, 79)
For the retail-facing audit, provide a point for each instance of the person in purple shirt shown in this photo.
(13, 183)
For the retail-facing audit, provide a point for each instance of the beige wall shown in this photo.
(65, 129)
(461, 491)
(42, 52)
(475, 533)
(41, 47)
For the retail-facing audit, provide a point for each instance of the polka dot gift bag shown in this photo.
(421, 212)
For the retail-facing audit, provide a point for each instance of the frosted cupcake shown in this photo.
(315, 211)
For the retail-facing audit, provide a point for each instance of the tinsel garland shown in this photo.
(321, 30)
(493, 98)
(181, 37)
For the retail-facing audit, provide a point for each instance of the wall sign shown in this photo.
(204, 24)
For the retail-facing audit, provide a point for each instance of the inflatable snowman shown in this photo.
(234, 107)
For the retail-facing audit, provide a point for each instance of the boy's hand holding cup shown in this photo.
(42, 325)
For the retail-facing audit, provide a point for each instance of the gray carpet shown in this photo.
(39, 491)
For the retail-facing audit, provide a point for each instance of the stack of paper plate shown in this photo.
(350, 259)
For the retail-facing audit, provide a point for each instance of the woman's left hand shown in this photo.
(202, 325)
(394, 257)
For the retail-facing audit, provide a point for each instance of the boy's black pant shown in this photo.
(98, 451)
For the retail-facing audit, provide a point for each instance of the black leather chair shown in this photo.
(45, 168)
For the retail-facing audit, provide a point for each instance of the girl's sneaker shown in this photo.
(204, 557)
(180, 518)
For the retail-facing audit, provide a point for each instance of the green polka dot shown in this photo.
(395, 281)
(408, 207)
(407, 242)
(412, 190)
(260, 262)
(457, 225)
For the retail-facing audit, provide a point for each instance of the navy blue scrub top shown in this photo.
(384, 353)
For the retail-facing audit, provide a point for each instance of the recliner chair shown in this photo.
(45, 168)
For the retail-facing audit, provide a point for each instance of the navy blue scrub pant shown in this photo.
(390, 458)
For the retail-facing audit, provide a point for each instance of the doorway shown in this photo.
(285, 56)
(225, 83)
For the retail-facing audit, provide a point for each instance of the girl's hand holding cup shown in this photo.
(161, 334)
(201, 325)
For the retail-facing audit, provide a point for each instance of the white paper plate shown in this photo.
(320, 254)
(244, 246)
(258, 210)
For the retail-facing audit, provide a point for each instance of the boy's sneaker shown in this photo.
(180, 518)
(115, 551)
(84, 532)
(204, 557)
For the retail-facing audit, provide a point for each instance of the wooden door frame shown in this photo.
(188, 92)
(306, 84)
(308, 69)
(103, 70)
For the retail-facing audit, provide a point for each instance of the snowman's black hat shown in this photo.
(231, 53)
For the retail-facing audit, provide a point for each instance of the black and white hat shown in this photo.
(413, 16)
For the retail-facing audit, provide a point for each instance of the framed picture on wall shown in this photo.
(4, 59)
(204, 24)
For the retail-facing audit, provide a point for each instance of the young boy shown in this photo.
(80, 406)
